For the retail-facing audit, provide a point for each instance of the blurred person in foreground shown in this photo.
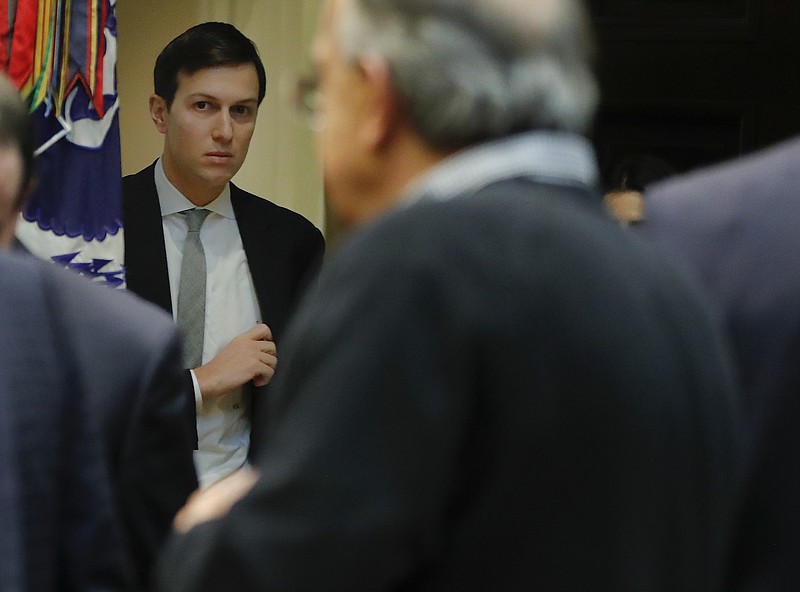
(737, 224)
(96, 449)
(494, 386)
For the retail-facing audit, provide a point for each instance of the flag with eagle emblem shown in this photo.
(61, 55)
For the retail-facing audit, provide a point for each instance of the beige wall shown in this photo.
(281, 165)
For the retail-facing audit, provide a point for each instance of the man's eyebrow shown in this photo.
(204, 96)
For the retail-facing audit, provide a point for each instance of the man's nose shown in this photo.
(223, 127)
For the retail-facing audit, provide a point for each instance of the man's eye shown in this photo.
(241, 110)
(202, 105)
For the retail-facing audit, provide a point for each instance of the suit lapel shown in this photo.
(254, 230)
(145, 257)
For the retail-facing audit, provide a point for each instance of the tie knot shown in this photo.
(195, 218)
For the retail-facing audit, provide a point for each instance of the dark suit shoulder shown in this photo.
(138, 176)
(251, 204)
(142, 182)
(751, 179)
(486, 220)
(115, 314)
(20, 264)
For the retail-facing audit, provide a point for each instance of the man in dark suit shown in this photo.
(99, 432)
(69, 533)
(737, 223)
(209, 83)
(92, 379)
(494, 386)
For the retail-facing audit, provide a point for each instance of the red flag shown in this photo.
(23, 43)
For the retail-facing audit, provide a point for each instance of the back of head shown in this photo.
(476, 70)
(16, 130)
(206, 45)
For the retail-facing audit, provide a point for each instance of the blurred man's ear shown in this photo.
(25, 192)
(158, 112)
(384, 115)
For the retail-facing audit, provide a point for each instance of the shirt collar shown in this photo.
(173, 201)
(550, 157)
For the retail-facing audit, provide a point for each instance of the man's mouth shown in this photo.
(219, 156)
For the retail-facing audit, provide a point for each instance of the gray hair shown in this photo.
(475, 70)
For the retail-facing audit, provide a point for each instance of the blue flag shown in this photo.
(74, 216)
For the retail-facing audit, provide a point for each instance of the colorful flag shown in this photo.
(61, 55)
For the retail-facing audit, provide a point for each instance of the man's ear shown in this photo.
(384, 113)
(23, 194)
(159, 112)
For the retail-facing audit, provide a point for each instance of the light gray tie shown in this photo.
(192, 291)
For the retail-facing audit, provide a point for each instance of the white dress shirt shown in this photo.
(223, 427)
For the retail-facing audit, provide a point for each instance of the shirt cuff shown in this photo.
(198, 396)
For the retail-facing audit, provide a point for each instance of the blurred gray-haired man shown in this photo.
(494, 387)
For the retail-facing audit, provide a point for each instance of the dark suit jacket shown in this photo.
(12, 542)
(505, 392)
(103, 451)
(739, 225)
(283, 249)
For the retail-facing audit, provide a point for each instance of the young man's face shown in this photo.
(208, 128)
